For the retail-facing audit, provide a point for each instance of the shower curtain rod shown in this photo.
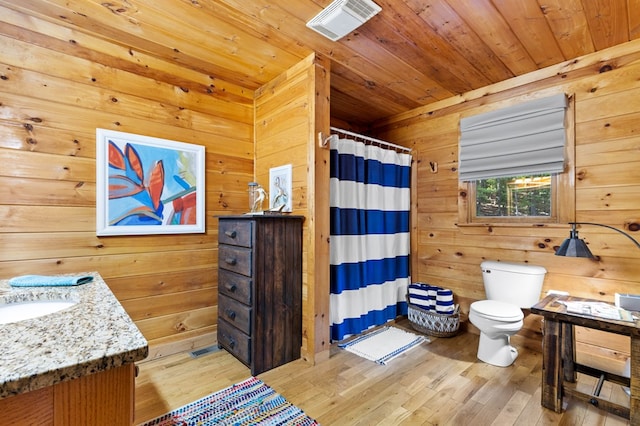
(367, 138)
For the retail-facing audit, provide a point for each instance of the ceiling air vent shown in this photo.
(343, 16)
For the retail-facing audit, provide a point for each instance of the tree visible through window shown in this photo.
(514, 196)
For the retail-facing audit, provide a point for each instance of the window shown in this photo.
(516, 164)
(516, 196)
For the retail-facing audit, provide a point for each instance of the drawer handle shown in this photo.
(231, 314)
(231, 261)
(232, 343)
(230, 234)
(231, 288)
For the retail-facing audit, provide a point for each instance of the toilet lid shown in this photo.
(499, 311)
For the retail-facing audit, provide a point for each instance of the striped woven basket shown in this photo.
(433, 323)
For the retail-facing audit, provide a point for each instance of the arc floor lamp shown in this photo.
(576, 247)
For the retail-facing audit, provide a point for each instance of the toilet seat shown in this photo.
(497, 311)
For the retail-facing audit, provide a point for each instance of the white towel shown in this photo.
(433, 296)
(444, 301)
(419, 295)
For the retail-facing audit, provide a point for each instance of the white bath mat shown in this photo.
(384, 344)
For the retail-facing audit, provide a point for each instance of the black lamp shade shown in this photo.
(574, 247)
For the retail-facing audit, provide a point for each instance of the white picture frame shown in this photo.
(280, 196)
(147, 185)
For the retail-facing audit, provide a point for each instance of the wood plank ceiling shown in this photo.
(413, 53)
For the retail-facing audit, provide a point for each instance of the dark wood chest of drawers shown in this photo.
(260, 289)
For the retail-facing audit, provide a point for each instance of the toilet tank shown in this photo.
(516, 283)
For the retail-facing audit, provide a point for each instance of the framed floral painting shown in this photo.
(148, 185)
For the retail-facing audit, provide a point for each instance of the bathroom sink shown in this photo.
(19, 311)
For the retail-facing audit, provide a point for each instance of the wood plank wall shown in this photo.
(53, 95)
(606, 86)
(289, 111)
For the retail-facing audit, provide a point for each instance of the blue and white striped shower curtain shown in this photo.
(370, 242)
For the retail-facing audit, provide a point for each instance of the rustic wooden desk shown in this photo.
(559, 369)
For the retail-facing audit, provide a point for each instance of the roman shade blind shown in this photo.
(523, 139)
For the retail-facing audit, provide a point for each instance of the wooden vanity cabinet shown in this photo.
(105, 398)
(260, 289)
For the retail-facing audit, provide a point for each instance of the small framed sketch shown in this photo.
(280, 188)
(148, 185)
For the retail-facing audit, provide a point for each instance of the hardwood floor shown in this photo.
(439, 383)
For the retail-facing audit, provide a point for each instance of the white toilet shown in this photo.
(509, 287)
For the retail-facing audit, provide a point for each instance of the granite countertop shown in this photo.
(93, 335)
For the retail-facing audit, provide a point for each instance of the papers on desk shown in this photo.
(598, 309)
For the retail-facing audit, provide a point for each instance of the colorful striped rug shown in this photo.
(383, 344)
(251, 402)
